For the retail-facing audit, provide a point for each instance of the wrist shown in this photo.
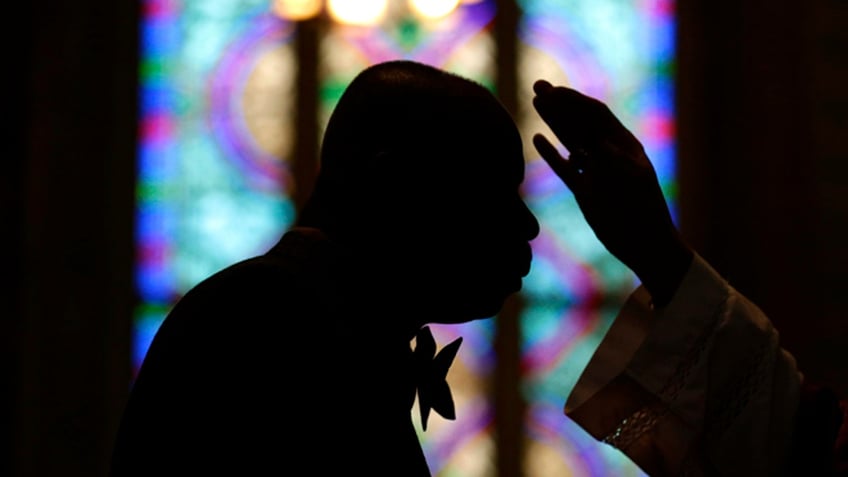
(664, 269)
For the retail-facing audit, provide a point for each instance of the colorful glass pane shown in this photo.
(620, 52)
(212, 170)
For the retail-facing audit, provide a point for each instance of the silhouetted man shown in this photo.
(300, 358)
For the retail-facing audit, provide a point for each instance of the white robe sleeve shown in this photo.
(699, 387)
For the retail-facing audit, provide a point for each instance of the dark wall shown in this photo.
(763, 179)
(71, 241)
(763, 195)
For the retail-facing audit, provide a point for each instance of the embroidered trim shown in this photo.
(734, 397)
(731, 401)
(630, 429)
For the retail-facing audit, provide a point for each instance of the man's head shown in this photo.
(420, 176)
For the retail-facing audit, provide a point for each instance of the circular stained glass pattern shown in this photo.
(250, 101)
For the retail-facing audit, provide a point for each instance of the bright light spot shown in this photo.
(358, 12)
(433, 9)
(297, 9)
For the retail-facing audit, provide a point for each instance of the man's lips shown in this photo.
(528, 262)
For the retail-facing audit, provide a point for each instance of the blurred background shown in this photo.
(152, 143)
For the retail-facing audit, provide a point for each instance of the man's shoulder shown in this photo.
(252, 271)
(254, 296)
(251, 277)
(301, 258)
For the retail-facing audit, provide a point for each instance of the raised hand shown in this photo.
(615, 186)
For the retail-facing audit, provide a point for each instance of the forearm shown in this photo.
(662, 268)
(701, 383)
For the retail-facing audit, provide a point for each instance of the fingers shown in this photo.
(565, 169)
(580, 121)
(541, 86)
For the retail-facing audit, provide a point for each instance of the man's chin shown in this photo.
(481, 309)
(458, 320)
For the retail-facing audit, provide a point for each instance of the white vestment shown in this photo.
(700, 386)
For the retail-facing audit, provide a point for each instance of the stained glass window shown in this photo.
(215, 129)
(620, 52)
(215, 177)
